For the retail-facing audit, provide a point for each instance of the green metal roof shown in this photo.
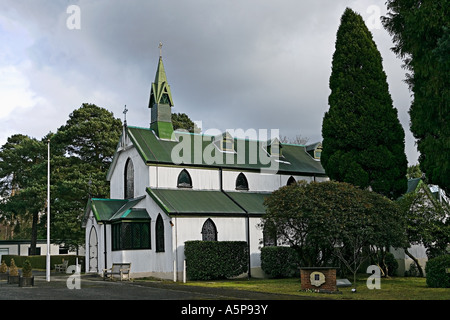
(208, 202)
(160, 87)
(187, 201)
(248, 155)
(412, 184)
(133, 214)
(107, 210)
(104, 209)
(252, 202)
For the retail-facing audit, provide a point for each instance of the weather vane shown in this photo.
(160, 49)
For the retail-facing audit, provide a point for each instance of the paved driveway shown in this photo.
(94, 288)
(91, 288)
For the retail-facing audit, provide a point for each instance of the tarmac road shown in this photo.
(98, 298)
(95, 288)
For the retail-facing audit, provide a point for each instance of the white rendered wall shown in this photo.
(167, 177)
(228, 229)
(141, 174)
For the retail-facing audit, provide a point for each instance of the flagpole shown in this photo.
(48, 213)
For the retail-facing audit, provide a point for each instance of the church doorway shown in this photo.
(93, 251)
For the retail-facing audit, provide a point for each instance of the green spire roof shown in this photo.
(160, 91)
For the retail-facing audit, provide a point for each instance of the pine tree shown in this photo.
(363, 140)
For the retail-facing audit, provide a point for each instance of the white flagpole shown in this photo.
(48, 214)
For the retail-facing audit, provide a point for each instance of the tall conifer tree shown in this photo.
(363, 140)
(421, 34)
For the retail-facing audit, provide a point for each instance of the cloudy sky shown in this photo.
(248, 64)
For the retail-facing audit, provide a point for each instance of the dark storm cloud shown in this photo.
(230, 64)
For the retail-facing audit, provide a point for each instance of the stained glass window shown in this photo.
(209, 231)
(291, 180)
(131, 236)
(269, 237)
(159, 234)
(129, 179)
(184, 180)
(241, 182)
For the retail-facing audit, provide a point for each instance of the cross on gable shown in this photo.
(125, 111)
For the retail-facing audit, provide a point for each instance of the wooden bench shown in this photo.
(62, 267)
(118, 269)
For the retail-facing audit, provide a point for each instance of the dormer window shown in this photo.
(274, 148)
(241, 182)
(184, 180)
(314, 150)
(318, 153)
(225, 142)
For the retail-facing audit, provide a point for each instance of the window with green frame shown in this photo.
(131, 235)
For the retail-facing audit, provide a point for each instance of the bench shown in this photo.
(62, 267)
(118, 269)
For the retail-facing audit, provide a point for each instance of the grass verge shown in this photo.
(395, 288)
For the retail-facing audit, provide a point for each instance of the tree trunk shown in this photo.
(34, 234)
(415, 261)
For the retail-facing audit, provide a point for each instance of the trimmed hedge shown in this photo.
(40, 262)
(435, 271)
(279, 262)
(207, 260)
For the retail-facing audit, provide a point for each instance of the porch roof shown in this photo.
(108, 210)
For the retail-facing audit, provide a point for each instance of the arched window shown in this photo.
(291, 180)
(209, 231)
(184, 180)
(159, 234)
(269, 237)
(129, 179)
(241, 182)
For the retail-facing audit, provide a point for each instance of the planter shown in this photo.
(13, 279)
(4, 276)
(26, 281)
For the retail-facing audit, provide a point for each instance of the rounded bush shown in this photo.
(207, 260)
(437, 277)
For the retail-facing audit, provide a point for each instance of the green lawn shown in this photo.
(395, 288)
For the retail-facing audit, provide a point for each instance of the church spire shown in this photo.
(160, 103)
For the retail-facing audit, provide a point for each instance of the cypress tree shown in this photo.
(421, 34)
(363, 140)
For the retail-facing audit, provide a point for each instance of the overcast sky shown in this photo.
(231, 64)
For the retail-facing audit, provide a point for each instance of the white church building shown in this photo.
(168, 187)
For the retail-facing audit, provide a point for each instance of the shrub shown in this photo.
(26, 269)
(279, 262)
(3, 267)
(40, 262)
(413, 270)
(436, 273)
(206, 260)
(13, 271)
(391, 264)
